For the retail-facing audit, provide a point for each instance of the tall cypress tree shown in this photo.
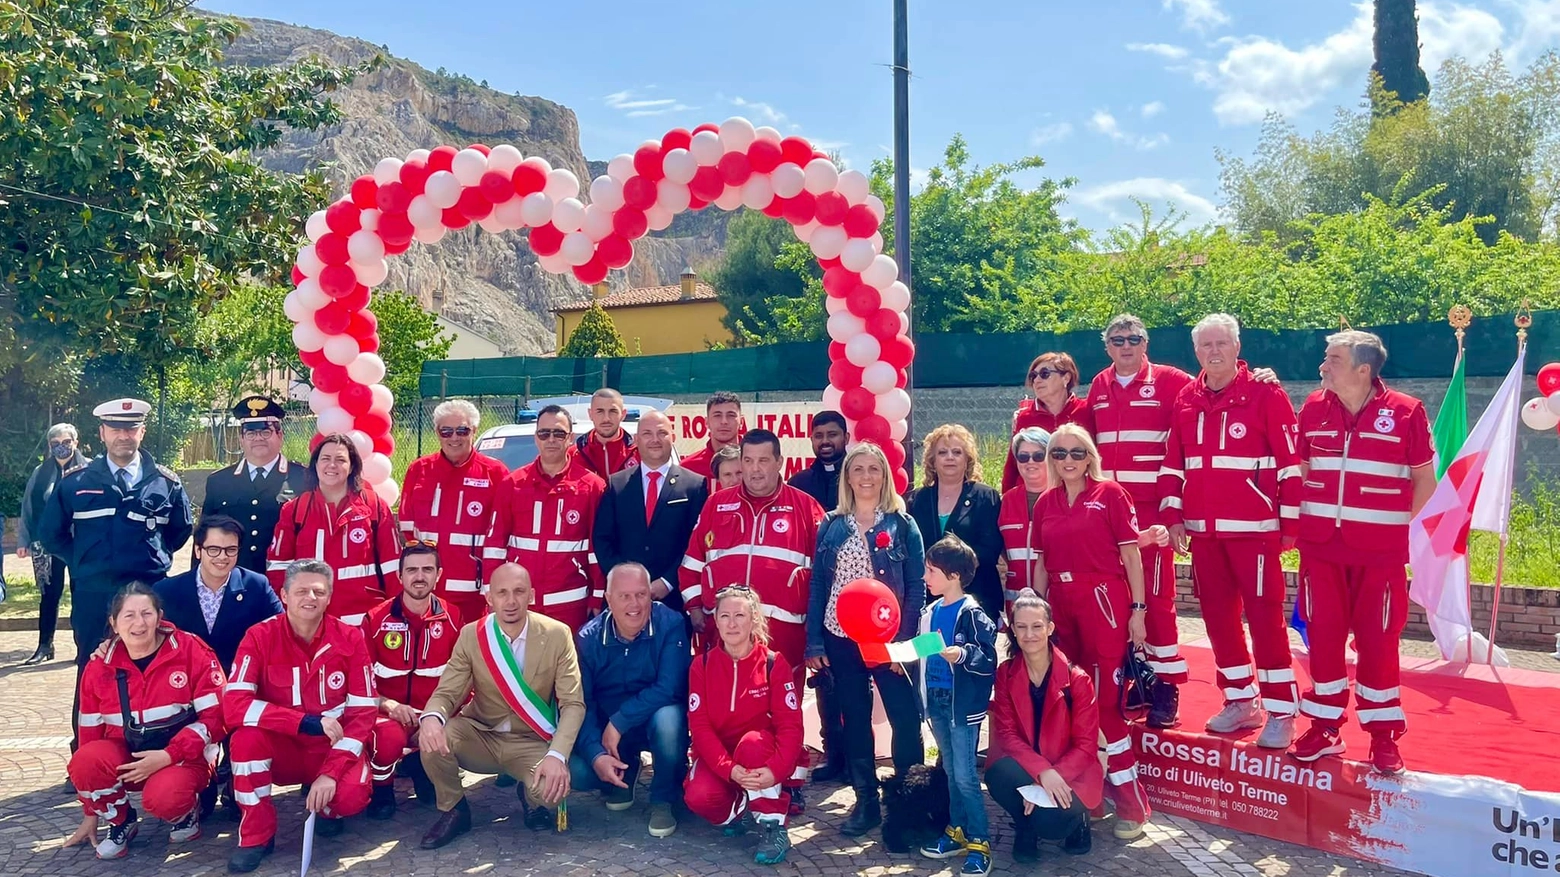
(1397, 50)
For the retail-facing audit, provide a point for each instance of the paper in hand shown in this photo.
(1037, 796)
(308, 845)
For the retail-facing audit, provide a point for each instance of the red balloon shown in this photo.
(647, 162)
(873, 428)
(677, 138)
(836, 351)
(707, 184)
(337, 280)
(298, 276)
(900, 378)
(332, 319)
(864, 301)
(546, 239)
(329, 378)
(344, 217)
(734, 168)
(528, 179)
(901, 482)
(396, 249)
(615, 251)
(356, 300)
(364, 191)
(332, 249)
(414, 175)
(897, 351)
(374, 423)
(893, 450)
(453, 219)
(639, 193)
(799, 210)
(838, 281)
(697, 203)
(393, 198)
(1549, 379)
(764, 156)
(364, 326)
(857, 402)
(384, 444)
(844, 375)
(796, 150)
(774, 209)
(868, 612)
(832, 208)
(496, 187)
(630, 223)
(312, 358)
(356, 398)
(442, 158)
(472, 205)
(884, 324)
(485, 150)
(826, 264)
(395, 229)
(369, 344)
(707, 126)
(591, 272)
(861, 222)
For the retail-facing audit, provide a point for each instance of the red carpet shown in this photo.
(1502, 723)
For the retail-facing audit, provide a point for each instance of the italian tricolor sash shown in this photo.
(527, 704)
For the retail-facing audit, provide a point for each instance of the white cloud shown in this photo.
(1052, 133)
(1163, 50)
(1115, 199)
(764, 112)
(1105, 123)
(1447, 29)
(635, 106)
(1538, 29)
(1198, 15)
(1152, 109)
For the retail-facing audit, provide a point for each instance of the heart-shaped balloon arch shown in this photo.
(729, 165)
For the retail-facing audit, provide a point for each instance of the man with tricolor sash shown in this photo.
(524, 714)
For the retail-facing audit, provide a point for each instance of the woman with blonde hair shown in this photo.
(869, 536)
(952, 499)
(1052, 378)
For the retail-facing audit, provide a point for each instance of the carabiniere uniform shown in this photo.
(256, 502)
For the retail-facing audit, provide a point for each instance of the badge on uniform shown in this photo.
(436, 629)
(1147, 391)
(573, 516)
(1385, 424)
(1237, 430)
(178, 679)
(474, 508)
(780, 525)
(358, 535)
(394, 640)
(336, 680)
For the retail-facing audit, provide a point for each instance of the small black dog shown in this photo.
(915, 808)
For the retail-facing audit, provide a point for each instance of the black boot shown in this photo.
(382, 805)
(44, 652)
(1026, 845)
(867, 812)
(411, 766)
(833, 769)
(1162, 713)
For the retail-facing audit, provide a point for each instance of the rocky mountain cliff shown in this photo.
(490, 284)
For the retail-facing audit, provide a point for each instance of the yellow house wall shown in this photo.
(668, 328)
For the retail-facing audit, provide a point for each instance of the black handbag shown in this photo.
(153, 736)
(1137, 682)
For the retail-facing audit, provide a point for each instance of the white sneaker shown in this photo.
(186, 829)
(1279, 732)
(1237, 715)
(116, 843)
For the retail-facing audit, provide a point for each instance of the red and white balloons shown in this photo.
(1543, 411)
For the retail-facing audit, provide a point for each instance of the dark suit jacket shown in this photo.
(620, 533)
(974, 519)
(254, 504)
(249, 600)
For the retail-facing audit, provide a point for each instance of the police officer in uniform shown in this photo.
(253, 491)
(116, 520)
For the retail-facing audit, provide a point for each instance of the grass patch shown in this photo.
(22, 598)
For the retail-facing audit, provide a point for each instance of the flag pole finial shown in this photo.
(1524, 319)
(1461, 318)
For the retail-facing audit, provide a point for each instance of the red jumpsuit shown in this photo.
(606, 458)
(1131, 427)
(1031, 413)
(358, 540)
(543, 522)
(452, 507)
(1014, 520)
(184, 677)
(279, 690)
(701, 461)
(745, 713)
(765, 543)
(408, 654)
(1232, 478)
(1355, 507)
(1080, 548)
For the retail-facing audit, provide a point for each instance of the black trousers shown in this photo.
(49, 576)
(88, 627)
(900, 701)
(1003, 780)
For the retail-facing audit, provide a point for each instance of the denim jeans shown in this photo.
(666, 738)
(956, 744)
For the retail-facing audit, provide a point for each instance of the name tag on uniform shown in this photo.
(478, 482)
(722, 507)
(394, 625)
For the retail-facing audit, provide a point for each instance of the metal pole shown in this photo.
(1500, 573)
(902, 194)
(162, 420)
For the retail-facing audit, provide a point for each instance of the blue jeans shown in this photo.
(956, 744)
(666, 738)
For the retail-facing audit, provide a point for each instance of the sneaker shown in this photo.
(1237, 715)
(798, 804)
(246, 859)
(1080, 842)
(1278, 733)
(1316, 742)
(1166, 706)
(617, 799)
(663, 822)
(326, 826)
(739, 826)
(773, 845)
(1384, 755)
(1026, 846)
(1127, 829)
(977, 858)
(382, 805)
(117, 842)
(948, 844)
(186, 829)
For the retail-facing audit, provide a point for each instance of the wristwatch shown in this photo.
(1137, 606)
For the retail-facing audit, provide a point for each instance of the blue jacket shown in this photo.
(111, 537)
(249, 600)
(901, 566)
(626, 682)
(974, 675)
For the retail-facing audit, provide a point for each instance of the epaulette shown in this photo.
(69, 472)
(168, 473)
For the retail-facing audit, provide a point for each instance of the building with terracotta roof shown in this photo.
(685, 318)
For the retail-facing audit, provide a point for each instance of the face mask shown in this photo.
(61, 452)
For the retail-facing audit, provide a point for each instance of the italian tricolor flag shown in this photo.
(923, 646)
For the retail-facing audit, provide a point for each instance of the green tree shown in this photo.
(758, 291)
(1396, 44)
(408, 337)
(594, 336)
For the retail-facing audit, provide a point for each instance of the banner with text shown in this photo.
(791, 421)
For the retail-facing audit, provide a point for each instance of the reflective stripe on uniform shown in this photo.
(568, 596)
(94, 513)
(782, 615)
(1350, 513)
(1360, 467)
(1132, 435)
(796, 558)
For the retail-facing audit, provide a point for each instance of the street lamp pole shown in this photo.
(902, 193)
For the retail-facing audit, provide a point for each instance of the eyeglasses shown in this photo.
(62, 443)
(1124, 340)
(1064, 453)
(547, 434)
(1029, 456)
(452, 431)
(216, 551)
(1044, 373)
(257, 430)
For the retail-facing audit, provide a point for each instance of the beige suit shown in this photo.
(552, 670)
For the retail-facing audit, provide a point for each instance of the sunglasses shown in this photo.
(1064, 453)
(63, 443)
(215, 551)
(546, 434)
(423, 543)
(1029, 456)
(1124, 340)
(452, 431)
(1044, 373)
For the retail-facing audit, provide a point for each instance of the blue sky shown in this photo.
(1131, 97)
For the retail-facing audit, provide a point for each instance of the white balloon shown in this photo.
(673, 196)
(424, 213)
(893, 405)
(730, 199)
(384, 400)
(376, 467)
(857, 255)
(904, 322)
(568, 214)
(388, 491)
(863, 349)
(896, 296)
(561, 184)
(537, 209)
(831, 398)
(757, 192)
(315, 226)
(387, 171)
(877, 207)
(419, 155)
(371, 274)
(504, 159)
(598, 222)
(877, 241)
(334, 420)
(367, 368)
(468, 166)
(658, 217)
(736, 134)
(788, 180)
(442, 189)
(606, 193)
(880, 273)
(362, 442)
(577, 248)
(805, 231)
(828, 241)
(295, 309)
(491, 224)
(308, 337)
(341, 349)
(1535, 413)
(822, 176)
(365, 246)
(706, 148)
(321, 401)
(679, 166)
(536, 161)
(621, 167)
(311, 296)
(898, 430)
(554, 264)
(369, 219)
(767, 133)
(832, 305)
(430, 235)
(879, 377)
(845, 325)
(510, 213)
(1554, 403)
(308, 262)
(853, 184)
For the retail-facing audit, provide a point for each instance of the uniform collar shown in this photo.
(609, 629)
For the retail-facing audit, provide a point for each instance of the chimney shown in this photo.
(689, 281)
(599, 290)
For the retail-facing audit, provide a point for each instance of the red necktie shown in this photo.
(651, 496)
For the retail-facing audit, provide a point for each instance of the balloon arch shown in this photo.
(730, 165)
